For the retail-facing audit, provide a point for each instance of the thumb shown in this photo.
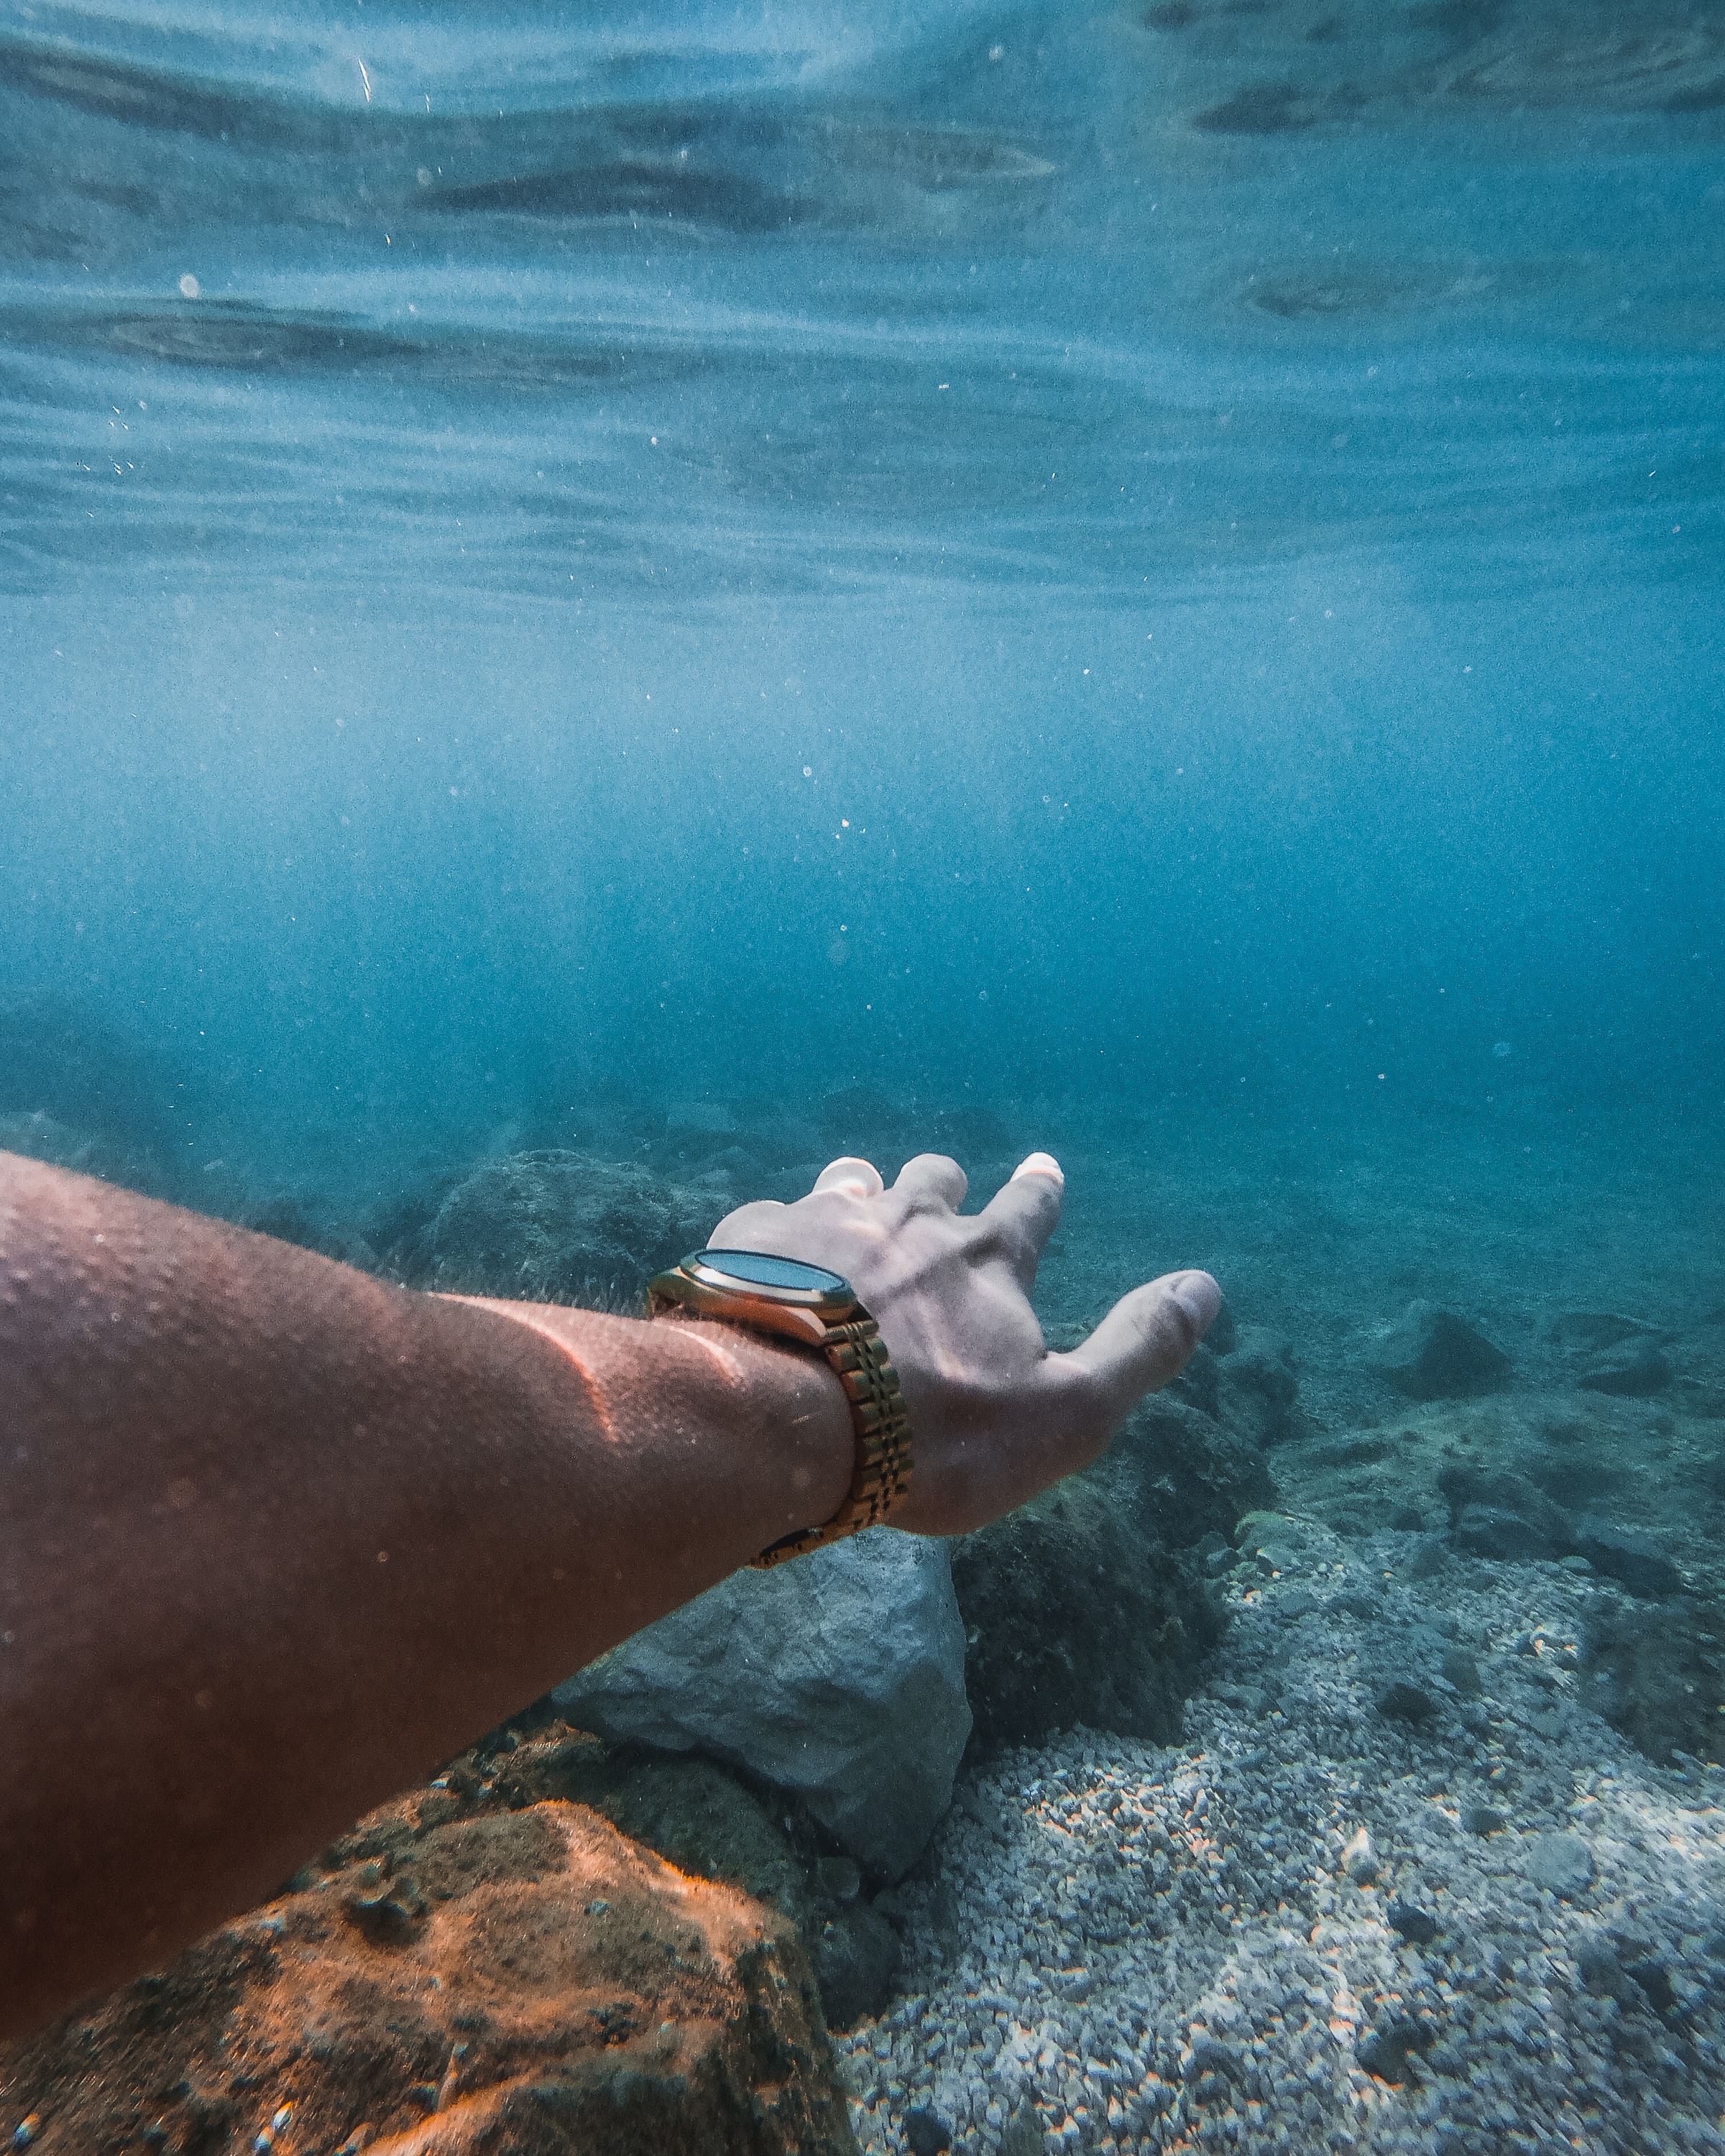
(1146, 1338)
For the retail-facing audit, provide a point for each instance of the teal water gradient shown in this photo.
(1022, 554)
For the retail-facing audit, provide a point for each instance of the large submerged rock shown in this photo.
(1074, 1614)
(1495, 1512)
(1658, 1675)
(1188, 1474)
(1258, 1385)
(1086, 1605)
(839, 1676)
(1433, 1354)
(551, 1226)
(475, 1971)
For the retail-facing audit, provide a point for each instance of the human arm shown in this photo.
(276, 1538)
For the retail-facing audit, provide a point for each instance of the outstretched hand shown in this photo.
(994, 1416)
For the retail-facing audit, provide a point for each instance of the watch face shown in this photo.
(756, 1269)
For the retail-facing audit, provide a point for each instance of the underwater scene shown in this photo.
(601, 605)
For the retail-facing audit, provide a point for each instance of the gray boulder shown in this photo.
(1496, 1514)
(557, 1226)
(1256, 1386)
(1633, 1369)
(1431, 1354)
(839, 1676)
(1622, 1554)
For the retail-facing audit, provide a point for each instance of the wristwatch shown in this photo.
(819, 1309)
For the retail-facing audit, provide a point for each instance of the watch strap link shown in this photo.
(882, 1469)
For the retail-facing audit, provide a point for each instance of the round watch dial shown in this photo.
(763, 1272)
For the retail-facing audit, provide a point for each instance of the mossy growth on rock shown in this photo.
(484, 1953)
(701, 1818)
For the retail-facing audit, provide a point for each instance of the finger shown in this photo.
(930, 1176)
(1040, 1163)
(738, 1230)
(1024, 1212)
(859, 1178)
(1146, 1338)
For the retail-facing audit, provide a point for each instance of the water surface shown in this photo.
(1069, 552)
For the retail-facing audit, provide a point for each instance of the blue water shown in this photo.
(1047, 553)
(730, 583)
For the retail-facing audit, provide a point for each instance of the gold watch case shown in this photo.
(800, 1303)
(819, 1309)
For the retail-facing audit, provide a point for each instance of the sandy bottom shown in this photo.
(1318, 1926)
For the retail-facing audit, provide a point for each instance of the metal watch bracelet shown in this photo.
(881, 1472)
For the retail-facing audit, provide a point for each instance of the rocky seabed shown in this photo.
(1320, 1925)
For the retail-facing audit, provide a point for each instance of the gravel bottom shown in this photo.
(1318, 1926)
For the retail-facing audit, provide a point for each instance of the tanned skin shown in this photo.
(277, 1539)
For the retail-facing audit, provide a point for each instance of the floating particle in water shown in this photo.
(189, 286)
(1499, 1049)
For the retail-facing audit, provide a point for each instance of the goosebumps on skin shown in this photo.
(275, 1538)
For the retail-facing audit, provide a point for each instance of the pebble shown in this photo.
(1406, 1702)
(1163, 1949)
(1418, 1927)
(1562, 1863)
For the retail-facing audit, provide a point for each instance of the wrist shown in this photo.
(795, 1420)
(728, 1437)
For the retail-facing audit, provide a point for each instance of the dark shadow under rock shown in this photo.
(856, 1955)
(1658, 1675)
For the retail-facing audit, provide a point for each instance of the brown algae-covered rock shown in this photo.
(450, 1981)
